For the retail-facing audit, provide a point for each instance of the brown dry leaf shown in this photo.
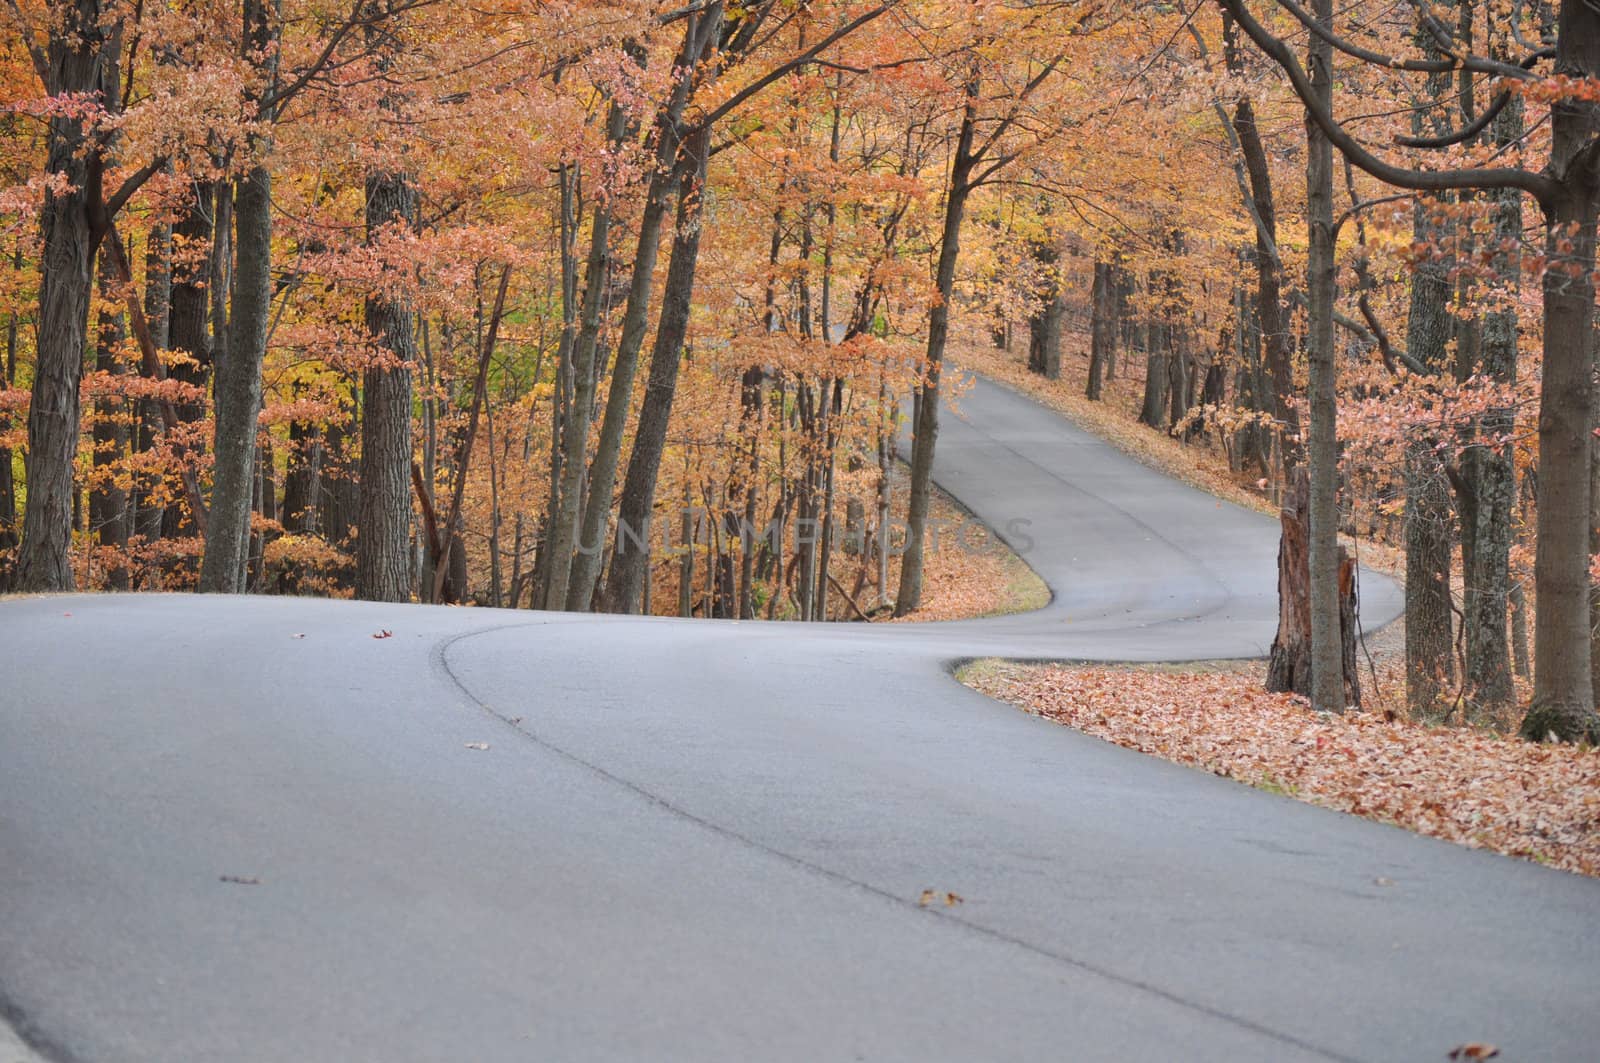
(926, 898)
(952, 899)
(1474, 1050)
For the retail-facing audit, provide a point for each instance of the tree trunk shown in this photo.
(1044, 337)
(1491, 468)
(1102, 328)
(662, 188)
(1563, 696)
(1291, 666)
(1328, 693)
(383, 540)
(925, 435)
(108, 501)
(629, 567)
(1269, 295)
(1158, 349)
(563, 530)
(8, 486)
(76, 57)
(189, 331)
(1429, 665)
(147, 516)
(338, 502)
(238, 386)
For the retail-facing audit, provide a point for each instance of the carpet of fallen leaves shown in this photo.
(1471, 786)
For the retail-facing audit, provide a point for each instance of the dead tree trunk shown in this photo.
(1289, 669)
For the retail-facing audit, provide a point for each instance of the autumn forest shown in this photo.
(635, 307)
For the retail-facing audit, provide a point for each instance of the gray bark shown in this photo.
(76, 58)
(1430, 668)
(383, 540)
(1044, 337)
(8, 487)
(662, 188)
(189, 330)
(1102, 328)
(563, 532)
(1563, 698)
(926, 432)
(1274, 329)
(108, 501)
(1327, 665)
(629, 566)
(1490, 468)
(238, 385)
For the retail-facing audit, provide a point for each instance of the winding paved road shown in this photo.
(707, 841)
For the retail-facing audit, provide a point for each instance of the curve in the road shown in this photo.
(704, 840)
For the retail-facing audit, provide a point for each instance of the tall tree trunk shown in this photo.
(383, 540)
(563, 530)
(302, 482)
(1269, 269)
(146, 514)
(629, 566)
(189, 329)
(1327, 665)
(1158, 350)
(1044, 337)
(76, 56)
(926, 433)
(1428, 516)
(108, 501)
(1491, 469)
(238, 387)
(1563, 694)
(8, 486)
(662, 189)
(569, 183)
(1044, 324)
(1102, 328)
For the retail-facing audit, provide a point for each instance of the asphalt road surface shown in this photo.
(244, 829)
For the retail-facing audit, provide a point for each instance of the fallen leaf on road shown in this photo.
(950, 900)
(384, 634)
(241, 880)
(477, 745)
(1474, 1050)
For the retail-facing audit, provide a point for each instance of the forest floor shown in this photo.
(1471, 785)
(972, 573)
(969, 573)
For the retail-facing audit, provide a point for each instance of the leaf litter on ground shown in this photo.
(1472, 786)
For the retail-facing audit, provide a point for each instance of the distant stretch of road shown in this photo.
(244, 829)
